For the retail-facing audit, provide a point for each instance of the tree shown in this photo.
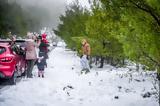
(14, 19)
(122, 29)
(72, 24)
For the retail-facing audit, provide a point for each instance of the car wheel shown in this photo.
(12, 80)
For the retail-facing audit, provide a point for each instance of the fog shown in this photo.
(48, 11)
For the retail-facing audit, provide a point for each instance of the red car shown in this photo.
(12, 61)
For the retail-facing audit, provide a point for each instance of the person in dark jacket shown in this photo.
(41, 64)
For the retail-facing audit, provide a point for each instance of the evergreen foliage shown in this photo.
(116, 30)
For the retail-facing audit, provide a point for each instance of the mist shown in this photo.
(48, 11)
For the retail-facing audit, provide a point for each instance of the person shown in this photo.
(13, 44)
(86, 50)
(31, 55)
(13, 39)
(45, 48)
(41, 64)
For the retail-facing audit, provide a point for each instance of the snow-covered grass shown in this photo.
(63, 85)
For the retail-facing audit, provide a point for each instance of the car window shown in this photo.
(2, 50)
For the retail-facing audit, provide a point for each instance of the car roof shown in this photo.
(6, 42)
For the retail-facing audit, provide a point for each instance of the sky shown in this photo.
(53, 9)
(82, 2)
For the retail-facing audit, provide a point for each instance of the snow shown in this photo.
(63, 85)
(61, 44)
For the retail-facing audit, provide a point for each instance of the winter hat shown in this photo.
(44, 36)
(84, 41)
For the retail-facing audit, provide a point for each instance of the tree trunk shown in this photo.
(123, 62)
(101, 62)
(159, 89)
(97, 59)
(137, 67)
(158, 77)
(112, 61)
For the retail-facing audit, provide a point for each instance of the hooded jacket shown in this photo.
(30, 50)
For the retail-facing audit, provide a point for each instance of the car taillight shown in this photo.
(6, 59)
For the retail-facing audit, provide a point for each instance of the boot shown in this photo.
(42, 74)
(82, 71)
(39, 73)
(87, 71)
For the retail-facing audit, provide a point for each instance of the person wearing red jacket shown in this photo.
(43, 55)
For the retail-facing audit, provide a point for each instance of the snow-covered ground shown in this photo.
(63, 85)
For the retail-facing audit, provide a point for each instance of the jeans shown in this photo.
(30, 65)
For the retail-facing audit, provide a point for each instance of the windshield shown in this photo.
(2, 50)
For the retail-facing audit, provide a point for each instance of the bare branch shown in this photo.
(147, 9)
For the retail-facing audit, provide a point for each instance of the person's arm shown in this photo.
(88, 50)
(82, 50)
(37, 44)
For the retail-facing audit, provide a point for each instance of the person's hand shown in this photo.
(88, 57)
(23, 48)
(38, 42)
